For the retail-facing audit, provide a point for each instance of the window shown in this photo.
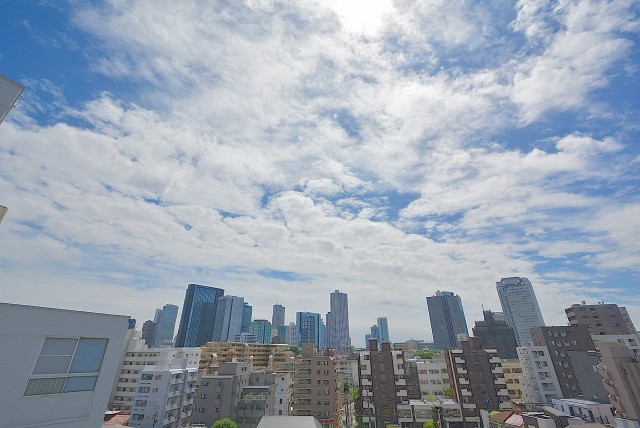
(74, 362)
(144, 390)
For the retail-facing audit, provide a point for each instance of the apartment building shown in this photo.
(136, 358)
(539, 381)
(165, 396)
(315, 387)
(620, 371)
(275, 356)
(383, 384)
(433, 378)
(513, 378)
(477, 377)
(600, 319)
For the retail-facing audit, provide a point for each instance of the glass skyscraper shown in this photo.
(447, 319)
(520, 307)
(338, 322)
(198, 315)
(277, 319)
(310, 329)
(165, 324)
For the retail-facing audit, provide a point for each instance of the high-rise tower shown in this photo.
(165, 324)
(447, 319)
(338, 322)
(520, 307)
(228, 322)
(198, 315)
(310, 328)
(277, 319)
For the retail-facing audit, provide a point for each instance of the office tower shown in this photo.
(165, 321)
(383, 328)
(338, 322)
(477, 380)
(247, 311)
(228, 321)
(496, 334)
(262, 330)
(309, 325)
(383, 384)
(620, 371)
(277, 319)
(574, 357)
(198, 315)
(520, 307)
(149, 329)
(600, 319)
(315, 387)
(291, 336)
(447, 319)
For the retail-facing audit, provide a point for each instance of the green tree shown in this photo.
(429, 424)
(295, 350)
(224, 423)
(448, 392)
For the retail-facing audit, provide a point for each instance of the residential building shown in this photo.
(277, 318)
(383, 384)
(315, 386)
(445, 411)
(289, 422)
(165, 396)
(58, 365)
(433, 378)
(520, 307)
(247, 311)
(539, 381)
(262, 355)
(627, 319)
(310, 329)
(513, 378)
(228, 321)
(165, 321)
(631, 341)
(262, 330)
(477, 377)
(620, 371)
(198, 315)
(383, 328)
(219, 393)
(347, 368)
(600, 319)
(447, 319)
(283, 393)
(574, 359)
(256, 400)
(338, 336)
(496, 334)
(136, 357)
(588, 411)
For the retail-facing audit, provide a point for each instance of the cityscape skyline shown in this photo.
(360, 146)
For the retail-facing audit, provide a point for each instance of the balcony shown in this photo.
(463, 381)
(462, 371)
(465, 392)
(459, 360)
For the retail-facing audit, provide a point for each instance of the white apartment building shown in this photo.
(539, 380)
(57, 365)
(433, 378)
(283, 385)
(137, 357)
(589, 411)
(165, 396)
(520, 307)
(347, 368)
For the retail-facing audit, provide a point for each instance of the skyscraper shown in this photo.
(447, 319)
(247, 312)
(165, 324)
(198, 315)
(520, 307)
(383, 329)
(277, 319)
(338, 322)
(228, 322)
(262, 330)
(309, 325)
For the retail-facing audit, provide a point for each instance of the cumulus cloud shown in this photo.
(269, 136)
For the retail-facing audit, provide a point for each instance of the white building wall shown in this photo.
(539, 380)
(631, 341)
(284, 382)
(23, 332)
(432, 378)
(520, 307)
(138, 356)
(590, 411)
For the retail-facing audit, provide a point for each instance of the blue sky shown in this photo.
(285, 149)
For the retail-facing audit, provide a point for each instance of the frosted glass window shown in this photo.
(80, 383)
(88, 356)
(58, 346)
(45, 386)
(55, 364)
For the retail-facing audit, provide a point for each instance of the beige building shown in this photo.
(274, 356)
(621, 378)
(315, 387)
(513, 377)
